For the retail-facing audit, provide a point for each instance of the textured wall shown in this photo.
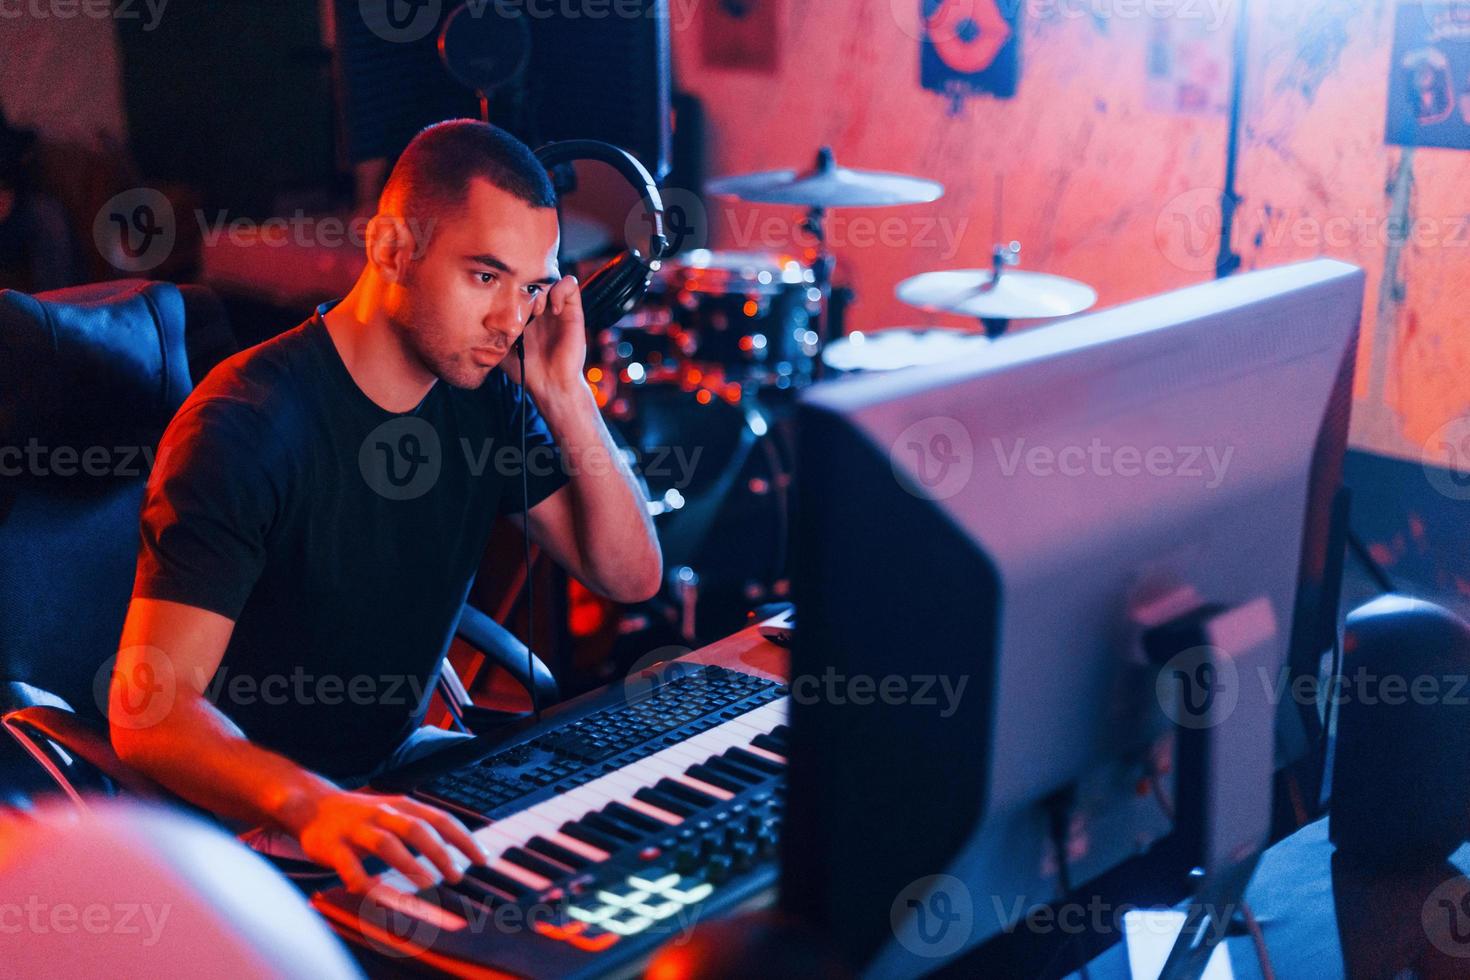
(1103, 185)
(61, 76)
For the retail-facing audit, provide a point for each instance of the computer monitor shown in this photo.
(981, 547)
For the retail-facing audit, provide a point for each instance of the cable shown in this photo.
(1258, 939)
(1059, 822)
(526, 532)
(1376, 571)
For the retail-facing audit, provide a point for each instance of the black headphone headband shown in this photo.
(565, 151)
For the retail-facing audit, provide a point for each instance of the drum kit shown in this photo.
(699, 382)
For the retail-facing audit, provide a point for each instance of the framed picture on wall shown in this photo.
(970, 47)
(1429, 75)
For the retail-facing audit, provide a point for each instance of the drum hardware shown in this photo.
(723, 338)
(714, 460)
(997, 295)
(708, 362)
(827, 185)
(686, 587)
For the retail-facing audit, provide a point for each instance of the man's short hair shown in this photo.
(433, 174)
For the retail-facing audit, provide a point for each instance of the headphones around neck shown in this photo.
(617, 286)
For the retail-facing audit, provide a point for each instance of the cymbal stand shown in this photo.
(1002, 257)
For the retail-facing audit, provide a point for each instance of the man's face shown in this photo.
(474, 281)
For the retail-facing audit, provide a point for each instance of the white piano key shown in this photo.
(547, 817)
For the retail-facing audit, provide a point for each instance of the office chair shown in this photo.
(69, 536)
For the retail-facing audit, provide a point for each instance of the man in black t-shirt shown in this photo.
(320, 503)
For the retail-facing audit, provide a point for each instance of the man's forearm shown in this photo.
(616, 545)
(202, 756)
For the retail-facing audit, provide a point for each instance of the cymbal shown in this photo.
(893, 348)
(1018, 295)
(828, 185)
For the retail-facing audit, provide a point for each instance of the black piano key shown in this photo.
(497, 881)
(462, 900)
(611, 828)
(672, 804)
(705, 774)
(782, 734)
(748, 777)
(577, 830)
(631, 817)
(752, 761)
(682, 791)
(769, 744)
(553, 850)
(531, 862)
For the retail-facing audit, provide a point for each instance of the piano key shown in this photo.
(532, 880)
(727, 766)
(547, 869)
(563, 855)
(674, 789)
(583, 848)
(751, 760)
(474, 891)
(709, 789)
(612, 828)
(714, 777)
(745, 729)
(666, 817)
(491, 878)
(665, 802)
(636, 829)
(769, 744)
(557, 814)
(593, 837)
(631, 817)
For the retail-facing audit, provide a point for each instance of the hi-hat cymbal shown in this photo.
(827, 185)
(1017, 295)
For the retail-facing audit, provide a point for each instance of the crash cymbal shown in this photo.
(1016, 295)
(828, 185)
(893, 348)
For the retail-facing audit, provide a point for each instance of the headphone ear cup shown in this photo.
(614, 289)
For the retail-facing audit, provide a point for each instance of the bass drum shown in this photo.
(717, 474)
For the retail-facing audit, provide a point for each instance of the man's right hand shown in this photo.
(187, 744)
(338, 829)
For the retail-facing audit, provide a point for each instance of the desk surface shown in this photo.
(1321, 916)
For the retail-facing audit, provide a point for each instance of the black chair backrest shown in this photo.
(89, 378)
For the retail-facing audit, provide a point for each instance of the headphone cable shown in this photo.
(526, 534)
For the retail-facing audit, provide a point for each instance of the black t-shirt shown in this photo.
(342, 538)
